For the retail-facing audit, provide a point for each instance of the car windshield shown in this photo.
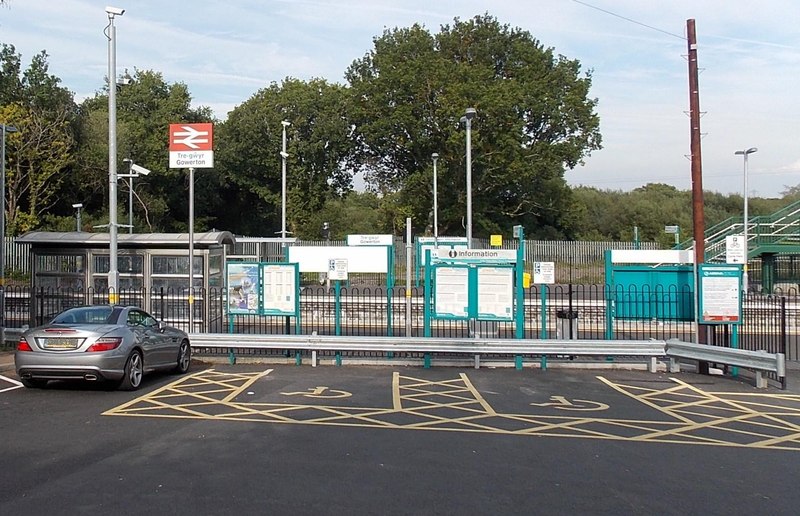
(84, 315)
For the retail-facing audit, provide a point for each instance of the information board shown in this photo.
(279, 287)
(243, 288)
(451, 294)
(495, 294)
(337, 269)
(720, 294)
(544, 273)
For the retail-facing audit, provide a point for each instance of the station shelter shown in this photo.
(71, 268)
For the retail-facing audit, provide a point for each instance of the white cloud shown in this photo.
(225, 52)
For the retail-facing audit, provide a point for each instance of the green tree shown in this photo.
(146, 106)
(534, 121)
(249, 160)
(41, 153)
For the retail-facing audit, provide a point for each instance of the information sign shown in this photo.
(720, 294)
(495, 293)
(243, 287)
(337, 269)
(451, 295)
(279, 286)
(544, 273)
(735, 249)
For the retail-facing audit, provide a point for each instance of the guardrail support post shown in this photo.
(543, 362)
(231, 357)
(298, 359)
(338, 358)
(477, 361)
(518, 362)
(427, 361)
(314, 358)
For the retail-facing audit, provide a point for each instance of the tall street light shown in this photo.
(134, 170)
(435, 157)
(78, 207)
(3, 130)
(744, 154)
(284, 156)
(113, 272)
(467, 119)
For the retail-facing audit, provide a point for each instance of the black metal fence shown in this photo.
(770, 323)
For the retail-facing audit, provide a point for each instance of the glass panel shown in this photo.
(132, 264)
(60, 263)
(101, 264)
(215, 264)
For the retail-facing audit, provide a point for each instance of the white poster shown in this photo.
(495, 293)
(280, 289)
(451, 292)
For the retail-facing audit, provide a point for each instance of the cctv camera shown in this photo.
(78, 205)
(284, 154)
(124, 81)
(139, 170)
(115, 11)
(286, 123)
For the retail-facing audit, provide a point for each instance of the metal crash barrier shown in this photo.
(758, 361)
(650, 350)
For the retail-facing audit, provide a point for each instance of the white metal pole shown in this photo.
(113, 273)
(130, 197)
(191, 249)
(284, 155)
(746, 220)
(435, 205)
(469, 183)
(5, 129)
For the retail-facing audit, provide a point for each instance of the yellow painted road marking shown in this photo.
(455, 405)
(320, 392)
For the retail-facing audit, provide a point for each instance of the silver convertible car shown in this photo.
(115, 344)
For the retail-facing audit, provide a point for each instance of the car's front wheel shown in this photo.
(134, 370)
(184, 358)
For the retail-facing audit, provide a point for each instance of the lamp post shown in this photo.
(78, 207)
(284, 155)
(113, 272)
(435, 157)
(134, 170)
(467, 119)
(744, 154)
(3, 130)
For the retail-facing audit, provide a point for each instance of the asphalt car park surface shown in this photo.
(398, 440)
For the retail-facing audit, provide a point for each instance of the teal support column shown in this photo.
(230, 324)
(298, 358)
(735, 345)
(543, 363)
(609, 288)
(767, 273)
(337, 308)
(543, 310)
(231, 357)
(389, 289)
(518, 362)
(427, 292)
(338, 358)
(427, 361)
(520, 289)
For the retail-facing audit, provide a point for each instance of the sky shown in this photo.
(225, 51)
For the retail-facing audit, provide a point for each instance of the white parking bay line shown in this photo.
(15, 383)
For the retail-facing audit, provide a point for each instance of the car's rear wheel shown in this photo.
(134, 370)
(184, 358)
(33, 383)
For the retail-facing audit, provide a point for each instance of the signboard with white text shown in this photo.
(191, 145)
